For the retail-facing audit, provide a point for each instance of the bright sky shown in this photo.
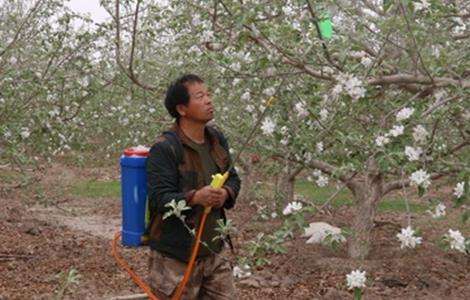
(97, 13)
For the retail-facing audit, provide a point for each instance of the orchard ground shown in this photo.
(66, 222)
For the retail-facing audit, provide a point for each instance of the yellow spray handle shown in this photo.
(217, 182)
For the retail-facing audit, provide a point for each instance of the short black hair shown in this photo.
(177, 93)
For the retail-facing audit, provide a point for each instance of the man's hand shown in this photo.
(209, 196)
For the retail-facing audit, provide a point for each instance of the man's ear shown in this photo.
(181, 109)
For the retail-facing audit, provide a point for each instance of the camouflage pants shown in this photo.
(211, 278)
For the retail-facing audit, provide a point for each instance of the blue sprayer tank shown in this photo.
(134, 195)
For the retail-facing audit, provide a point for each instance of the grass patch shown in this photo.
(10, 176)
(97, 189)
(321, 194)
(398, 205)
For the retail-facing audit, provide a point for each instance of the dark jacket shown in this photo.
(172, 176)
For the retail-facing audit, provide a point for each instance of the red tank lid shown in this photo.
(140, 151)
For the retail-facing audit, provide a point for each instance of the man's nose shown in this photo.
(208, 99)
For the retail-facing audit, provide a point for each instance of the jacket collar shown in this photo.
(187, 141)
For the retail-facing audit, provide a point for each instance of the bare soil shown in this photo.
(44, 236)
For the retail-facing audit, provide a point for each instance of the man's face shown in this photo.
(199, 107)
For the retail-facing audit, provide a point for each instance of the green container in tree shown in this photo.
(326, 27)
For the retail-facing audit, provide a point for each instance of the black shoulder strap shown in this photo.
(176, 145)
(214, 132)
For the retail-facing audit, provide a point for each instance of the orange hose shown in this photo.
(189, 269)
(122, 263)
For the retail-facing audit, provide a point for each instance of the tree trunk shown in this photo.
(287, 189)
(367, 197)
(247, 192)
(287, 182)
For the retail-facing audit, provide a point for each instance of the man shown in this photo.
(179, 167)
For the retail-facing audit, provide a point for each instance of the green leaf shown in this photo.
(387, 4)
(465, 216)
(421, 191)
(357, 294)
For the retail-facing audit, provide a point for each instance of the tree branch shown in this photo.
(20, 28)
(399, 184)
(325, 49)
(129, 72)
(401, 78)
(415, 44)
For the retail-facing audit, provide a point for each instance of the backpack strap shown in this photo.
(175, 144)
(177, 149)
(214, 132)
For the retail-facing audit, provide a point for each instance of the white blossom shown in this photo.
(288, 11)
(322, 181)
(268, 126)
(235, 66)
(404, 113)
(241, 272)
(196, 20)
(408, 239)
(459, 29)
(420, 178)
(413, 153)
(270, 71)
(296, 25)
(54, 112)
(356, 279)
(382, 140)
(292, 207)
(357, 54)
(25, 133)
(273, 215)
(439, 211)
(283, 130)
(316, 173)
(459, 189)
(420, 134)
(207, 35)
(456, 240)
(269, 91)
(337, 89)
(307, 156)
(176, 208)
(323, 114)
(421, 5)
(302, 112)
(352, 85)
(441, 147)
(436, 50)
(246, 96)
(319, 147)
(366, 62)
(397, 130)
(249, 108)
